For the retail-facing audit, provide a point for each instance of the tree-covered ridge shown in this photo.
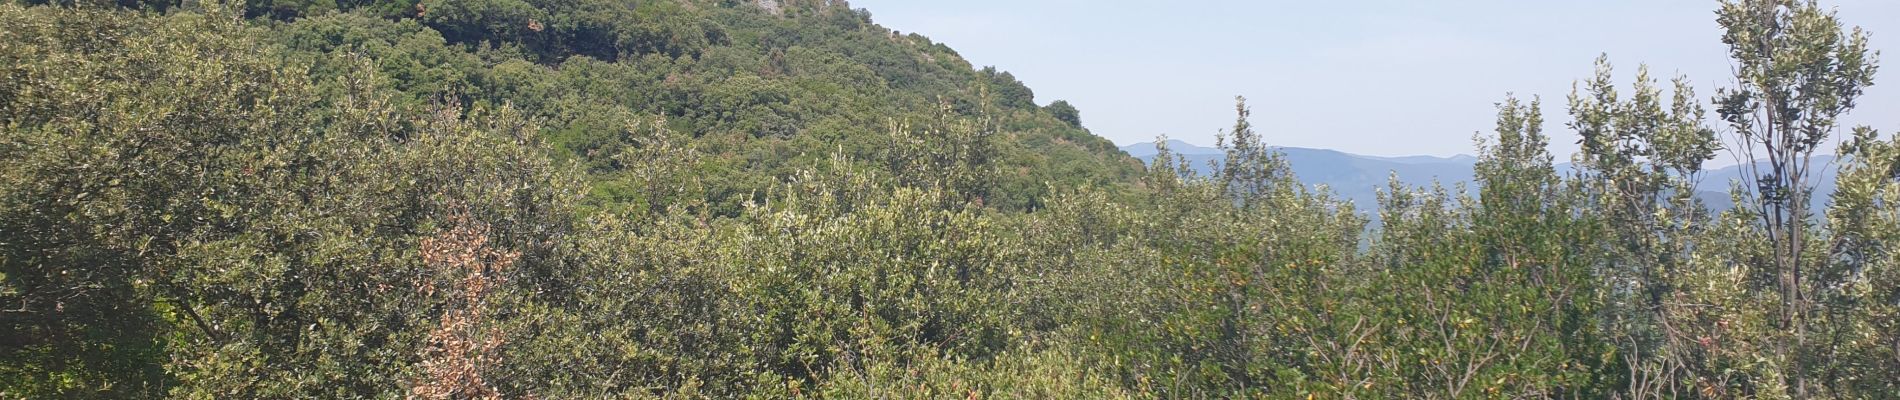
(764, 93)
(217, 200)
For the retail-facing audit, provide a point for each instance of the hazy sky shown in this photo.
(1380, 77)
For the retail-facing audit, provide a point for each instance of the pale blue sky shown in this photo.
(1380, 77)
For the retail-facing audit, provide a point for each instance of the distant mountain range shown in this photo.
(1358, 178)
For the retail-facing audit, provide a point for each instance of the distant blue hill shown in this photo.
(1358, 178)
(1352, 177)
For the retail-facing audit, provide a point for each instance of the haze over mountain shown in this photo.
(1353, 177)
(1359, 178)
(1435, 65)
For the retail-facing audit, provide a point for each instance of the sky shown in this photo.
(1376, 77)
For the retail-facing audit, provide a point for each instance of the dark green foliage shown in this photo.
(1007, 90)
(1064, 112)
(261, 215)
(768, 94)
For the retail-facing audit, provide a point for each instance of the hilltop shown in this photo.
(763, 88)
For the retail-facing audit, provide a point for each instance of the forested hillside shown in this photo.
(461, 199)
(764, 91)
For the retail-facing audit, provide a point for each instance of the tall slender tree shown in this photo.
(1796, 72)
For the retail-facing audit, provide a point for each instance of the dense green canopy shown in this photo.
(772, 199)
